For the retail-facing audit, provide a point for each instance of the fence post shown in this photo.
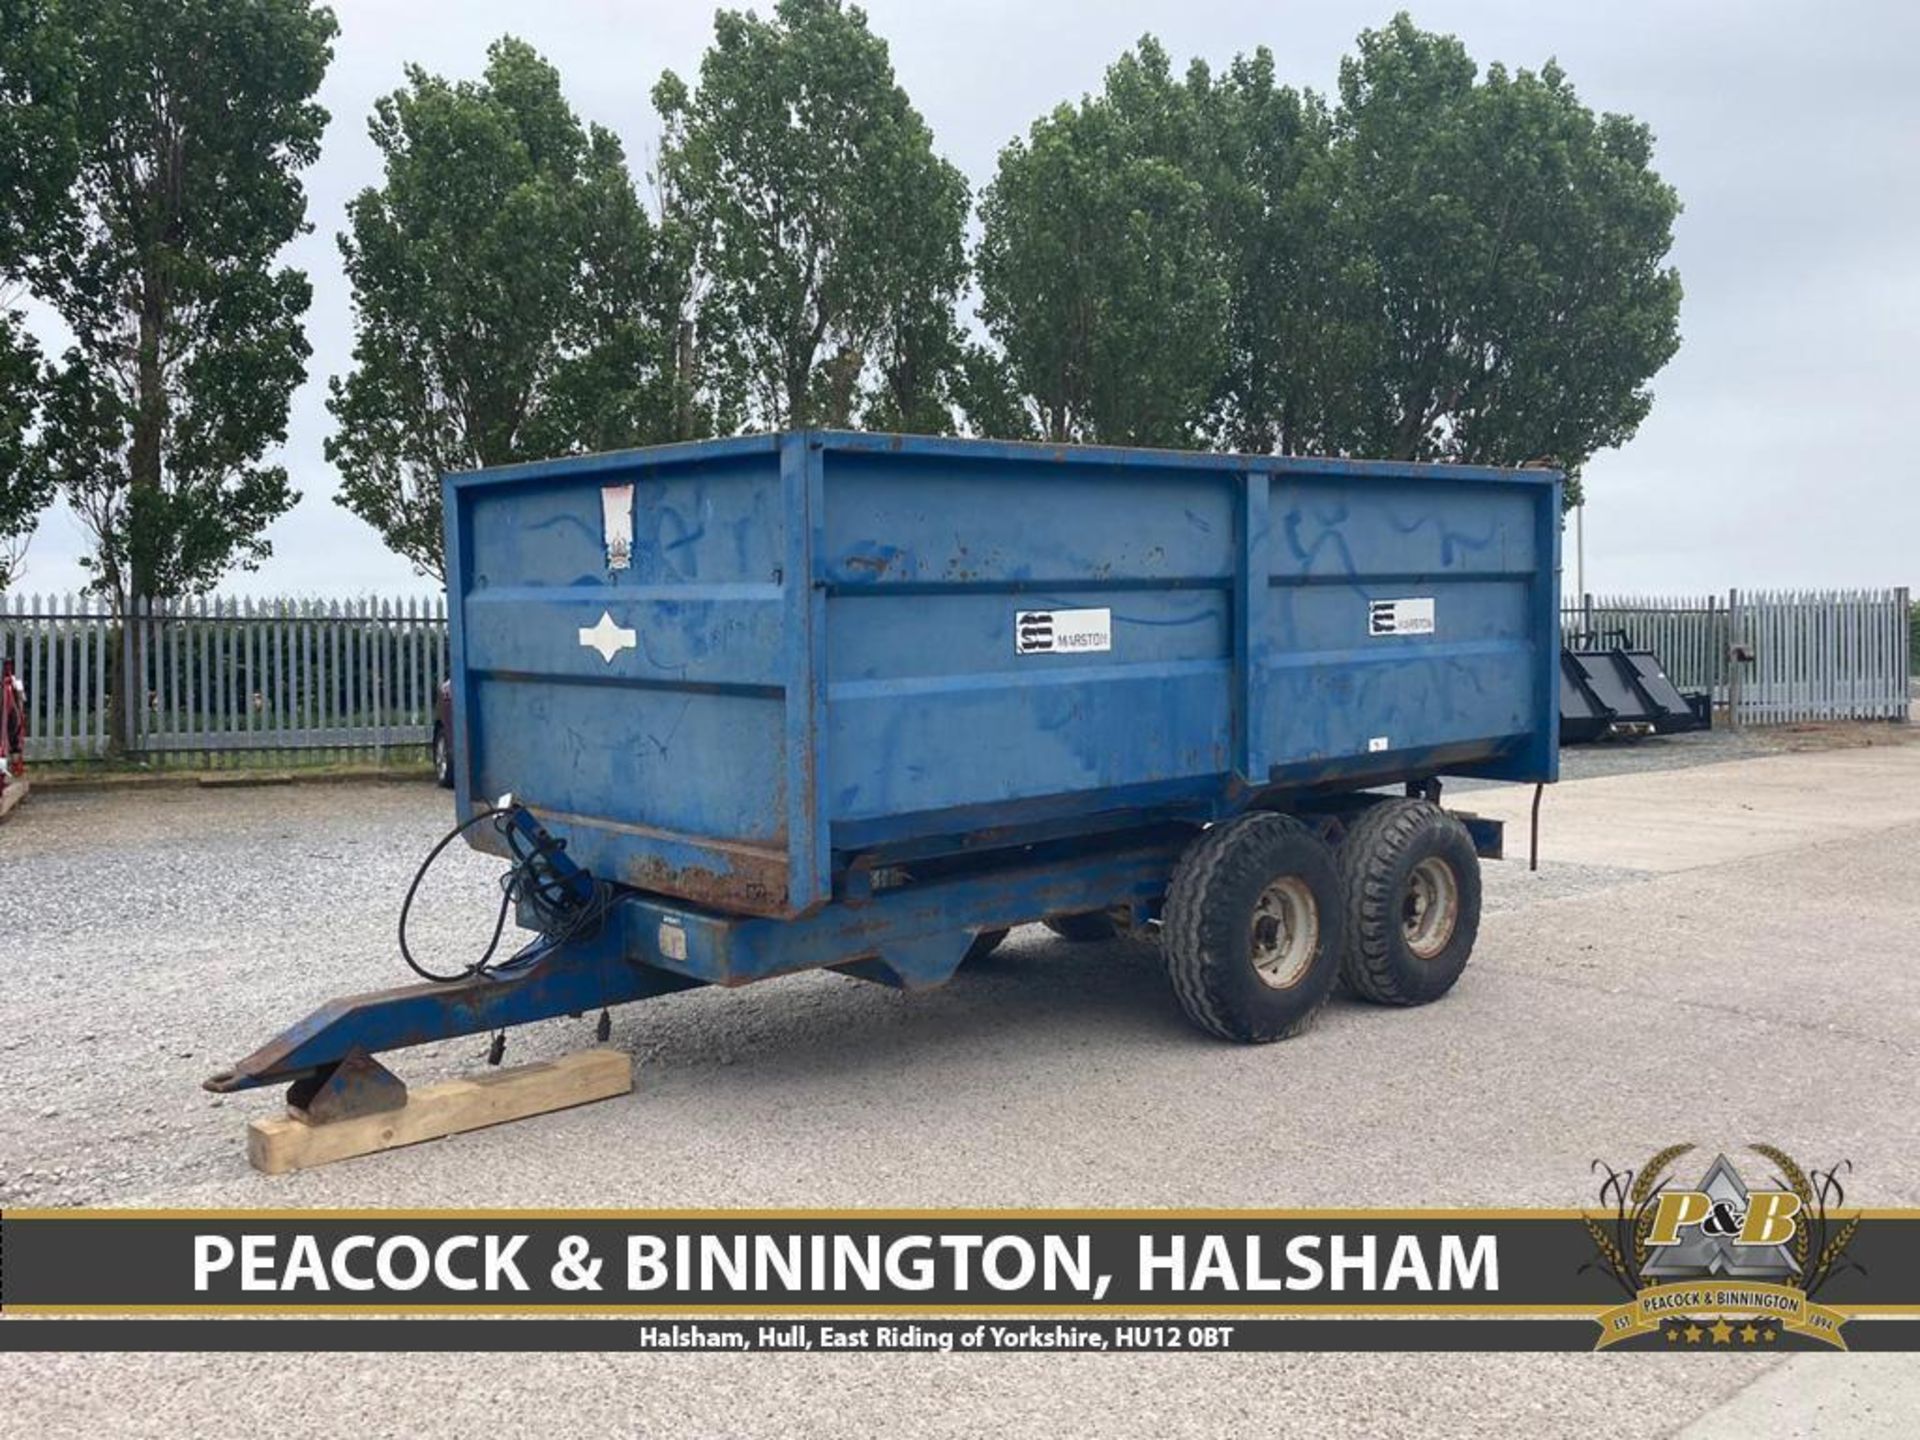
(1733, 660)
(30, 672)
(382, 706)
(132, 677)
(1903, 648)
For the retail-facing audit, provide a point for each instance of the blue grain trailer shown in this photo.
(748, 707)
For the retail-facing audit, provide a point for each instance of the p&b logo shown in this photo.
(1722, 1228)
(1719, 1248)
(1767, 1219)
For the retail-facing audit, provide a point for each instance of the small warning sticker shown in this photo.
(673, 940)
(1059, 632)
(616, 519)
(1401, 617)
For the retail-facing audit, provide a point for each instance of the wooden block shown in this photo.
(15, 792)
(288, 1143)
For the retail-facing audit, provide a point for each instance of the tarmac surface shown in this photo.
(1712, 952)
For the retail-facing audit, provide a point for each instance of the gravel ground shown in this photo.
(1055, 1075)
(1713, 747)
(275, 899)
(232, 912)
(227, 912)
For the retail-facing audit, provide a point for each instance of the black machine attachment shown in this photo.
(1608, 689)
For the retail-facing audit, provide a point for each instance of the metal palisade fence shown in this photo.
(226, 677)
(1692, 635)
(1823, 655)
(217, 678)
(1770, 656)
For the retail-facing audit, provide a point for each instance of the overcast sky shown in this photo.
(1780, 448)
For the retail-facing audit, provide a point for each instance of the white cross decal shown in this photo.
(608, 638)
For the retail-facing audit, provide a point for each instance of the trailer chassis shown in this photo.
(907, 926)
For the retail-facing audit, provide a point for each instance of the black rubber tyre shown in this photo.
(1225, 887)
(1413, 902)
(442, 760)
(1083, 929)
(984, 944)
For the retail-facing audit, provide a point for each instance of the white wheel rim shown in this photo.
(1286, 932)
(1430, 909)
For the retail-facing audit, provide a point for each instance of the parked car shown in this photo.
(441, 746)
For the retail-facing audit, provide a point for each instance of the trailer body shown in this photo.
(863, 702)
(728, 671)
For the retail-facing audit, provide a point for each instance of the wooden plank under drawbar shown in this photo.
(15, 792)
(285, 1143)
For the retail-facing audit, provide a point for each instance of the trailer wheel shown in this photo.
(984, 944)
(1085, 928)
(1413, 902)
(1253, 928)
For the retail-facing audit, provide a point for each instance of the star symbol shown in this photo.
(1750, 1332)
(608, 638)
(1673, 1333)
(1694, 1332)
(1722, 1333)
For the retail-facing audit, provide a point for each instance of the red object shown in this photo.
(13, 725)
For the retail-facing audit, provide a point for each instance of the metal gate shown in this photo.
(1822, 655)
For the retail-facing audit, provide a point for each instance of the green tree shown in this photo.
(1509, 259)
(827, 230)
(38, 157)
(513, 299)
(987, 393)
(1438, 266)
(1100, 275)
(25, 486)
(1293, 326)
(918, 350)
(188, 122)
